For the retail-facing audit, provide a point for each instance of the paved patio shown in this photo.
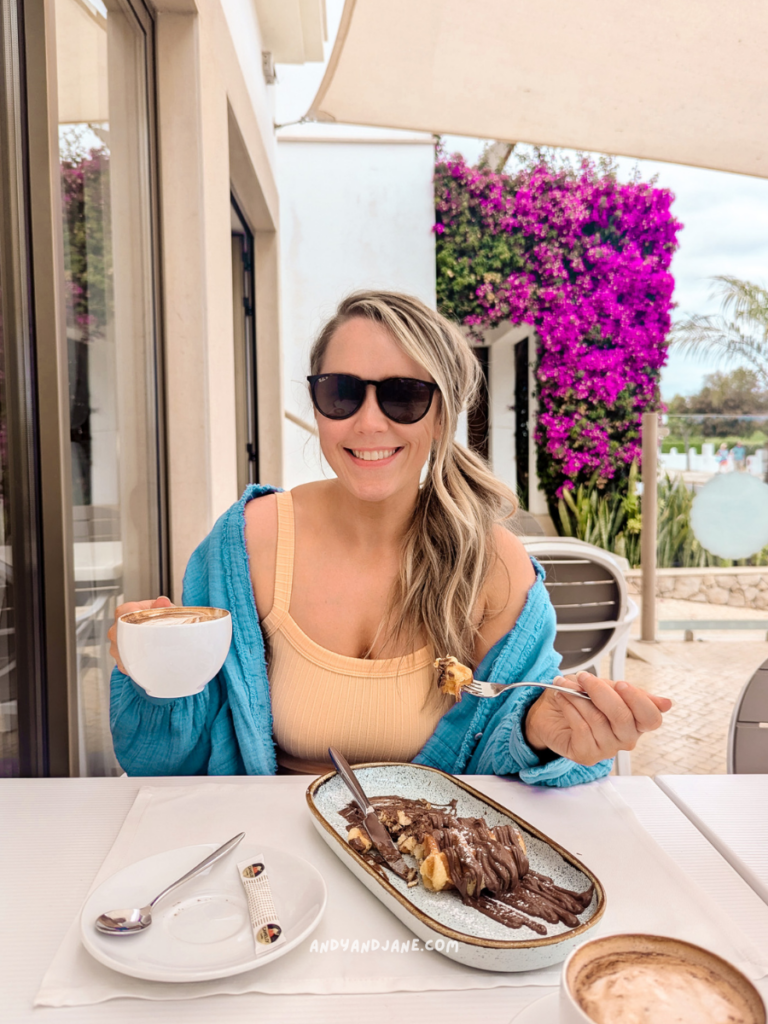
(703, 677)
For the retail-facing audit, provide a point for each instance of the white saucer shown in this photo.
(202, 931)
(544, 1011)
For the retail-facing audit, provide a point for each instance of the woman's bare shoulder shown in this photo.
(261, 545)
(261, 520)
(506, 589)
(511, 553)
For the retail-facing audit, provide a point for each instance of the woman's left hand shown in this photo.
(590, 731)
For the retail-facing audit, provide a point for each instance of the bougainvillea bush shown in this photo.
(584, 259)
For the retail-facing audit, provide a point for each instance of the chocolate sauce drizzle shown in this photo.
(488, 867)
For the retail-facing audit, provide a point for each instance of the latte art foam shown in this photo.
(175, 620)
(657, 988)
(173, 616)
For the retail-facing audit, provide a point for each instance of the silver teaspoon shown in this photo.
(129, 920)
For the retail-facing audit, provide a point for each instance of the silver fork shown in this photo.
(478, 689)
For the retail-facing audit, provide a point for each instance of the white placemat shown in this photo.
(646, 891)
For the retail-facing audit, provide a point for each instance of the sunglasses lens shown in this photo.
(404, 400)
(338, 396)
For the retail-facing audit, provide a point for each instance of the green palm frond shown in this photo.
(738, 334)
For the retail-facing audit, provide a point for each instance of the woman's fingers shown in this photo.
(612, 732)
(645, 708)
(606, 708)
(616, 715)
(583, 746)
(124, 609)
(589, 731)
(647, 713)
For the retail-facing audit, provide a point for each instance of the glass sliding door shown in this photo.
(23, 747)
(104, 62)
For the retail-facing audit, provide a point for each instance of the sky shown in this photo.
(724, 217)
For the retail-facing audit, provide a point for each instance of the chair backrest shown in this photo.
(589, 593)
(748, 734)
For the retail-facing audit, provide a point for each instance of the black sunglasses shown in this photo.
(402, 399)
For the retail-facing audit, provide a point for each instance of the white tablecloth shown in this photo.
(73, 823)
(732, 812)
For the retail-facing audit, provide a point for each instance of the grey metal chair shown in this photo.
(594, 611)
(589, 593)
(748, 734)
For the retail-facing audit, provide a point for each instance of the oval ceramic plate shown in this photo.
(201, 931)
(461, 932)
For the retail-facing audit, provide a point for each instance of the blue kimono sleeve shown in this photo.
(226, 729)
(176, 736)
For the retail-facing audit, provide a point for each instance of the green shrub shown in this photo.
(677, 547)
(613, 521)
(609, 519)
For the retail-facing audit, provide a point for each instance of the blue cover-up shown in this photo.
(227, 728)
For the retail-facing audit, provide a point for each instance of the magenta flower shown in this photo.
(585, 259)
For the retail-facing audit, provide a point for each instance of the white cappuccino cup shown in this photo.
(174, 652)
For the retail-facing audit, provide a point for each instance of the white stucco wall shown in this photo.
(246, 35)
(353, 214)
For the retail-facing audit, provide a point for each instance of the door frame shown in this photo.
(51, 384)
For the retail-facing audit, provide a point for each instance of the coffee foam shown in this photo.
(647, 979)
(655, 988)
(173, 616)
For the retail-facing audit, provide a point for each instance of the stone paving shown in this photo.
(703, 678)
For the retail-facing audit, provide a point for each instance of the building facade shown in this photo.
(141, 380)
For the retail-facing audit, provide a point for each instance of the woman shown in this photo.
(357, 583)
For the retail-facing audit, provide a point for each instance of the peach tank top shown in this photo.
(378, 709)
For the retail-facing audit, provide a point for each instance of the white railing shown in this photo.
(707, 461)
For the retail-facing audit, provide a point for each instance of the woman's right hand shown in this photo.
(131, 606)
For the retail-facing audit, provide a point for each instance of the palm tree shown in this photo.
(738, 334)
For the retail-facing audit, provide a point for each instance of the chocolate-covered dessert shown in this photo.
(488, 867)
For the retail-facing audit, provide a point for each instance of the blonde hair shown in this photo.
(448, 548)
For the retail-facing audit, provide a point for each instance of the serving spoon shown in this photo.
(129, 920)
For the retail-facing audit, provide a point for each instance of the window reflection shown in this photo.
(105, 188)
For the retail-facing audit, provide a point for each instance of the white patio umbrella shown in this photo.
(679, 80)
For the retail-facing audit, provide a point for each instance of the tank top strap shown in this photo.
(285, 549)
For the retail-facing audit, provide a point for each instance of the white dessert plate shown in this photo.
(202, 931)
(460, 932)
(543, 1011)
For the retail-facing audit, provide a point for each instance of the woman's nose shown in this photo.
(370, 417)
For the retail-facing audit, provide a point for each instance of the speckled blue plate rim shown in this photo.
(438, 926)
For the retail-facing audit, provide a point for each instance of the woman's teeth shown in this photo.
(373, 456)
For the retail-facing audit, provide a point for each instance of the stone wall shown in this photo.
(738, 587)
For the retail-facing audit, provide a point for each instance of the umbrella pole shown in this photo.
(649, 527)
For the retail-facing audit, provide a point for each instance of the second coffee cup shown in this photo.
(628, 979)
(174, 652)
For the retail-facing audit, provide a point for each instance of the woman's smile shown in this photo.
(370, 457)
